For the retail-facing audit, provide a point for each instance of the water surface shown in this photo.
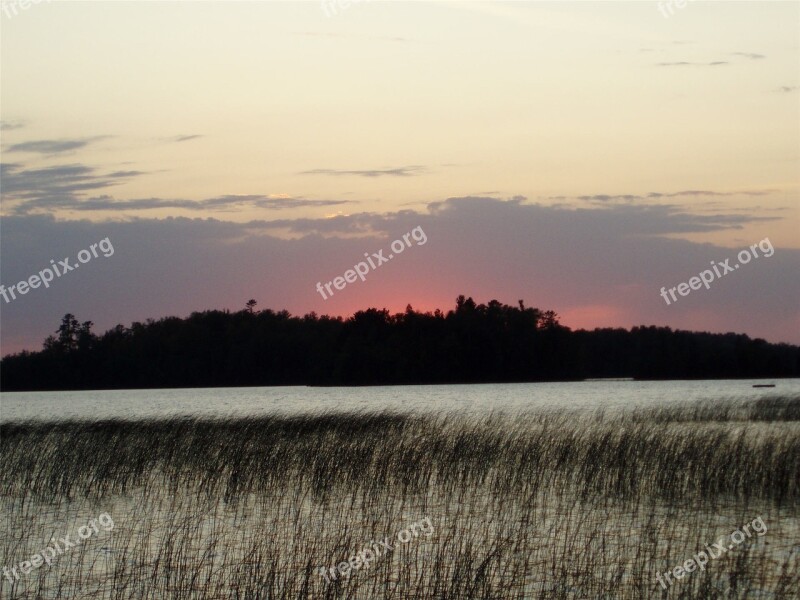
(464, 399)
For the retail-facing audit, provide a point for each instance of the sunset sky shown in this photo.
(577, 155)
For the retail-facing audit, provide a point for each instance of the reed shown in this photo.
(551, 504)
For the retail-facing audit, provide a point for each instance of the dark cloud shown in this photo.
(396, 172)
(788, 89)
(610, 261)
(53, 188)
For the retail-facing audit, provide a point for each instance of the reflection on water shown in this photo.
(466, 399)
(560, 504)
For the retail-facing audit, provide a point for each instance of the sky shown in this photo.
(580, 156)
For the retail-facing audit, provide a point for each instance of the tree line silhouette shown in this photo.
(473, 343)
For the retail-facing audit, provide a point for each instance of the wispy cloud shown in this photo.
(54, 187)
(183, 138)
(9, 125)
(710, 193)
(684, 63)
(603, 198)
(715, 63)
(230, 202)
(52, 146)
(394, 172)
(61, 188)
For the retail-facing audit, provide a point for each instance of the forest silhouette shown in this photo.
(473, 343)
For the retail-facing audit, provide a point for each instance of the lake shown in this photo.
(463, 399)
(543, 505)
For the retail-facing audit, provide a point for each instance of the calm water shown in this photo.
(475, 399)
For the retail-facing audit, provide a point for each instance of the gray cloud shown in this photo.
(231, 202)
(649, 219)
(603, 198)
(788, 89)
(52, 146)
(605, 260)
(408, 171)
(9, 125)
(52, 188)
(63, 188)
(710, 193)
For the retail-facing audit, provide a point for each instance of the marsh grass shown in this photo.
(553, 504)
